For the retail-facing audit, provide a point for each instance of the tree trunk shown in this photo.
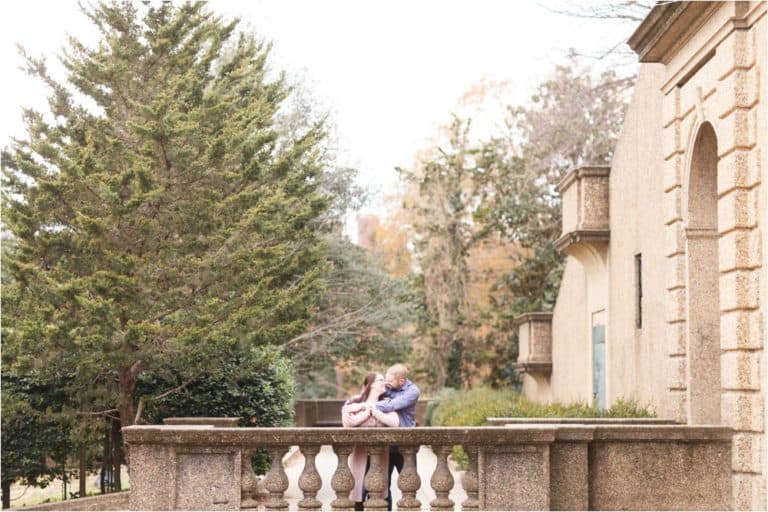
(83, 477)
(126, 385)
(106, 475)
(6, 494)
(117, 456)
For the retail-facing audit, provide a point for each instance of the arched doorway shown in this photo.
(703, 275)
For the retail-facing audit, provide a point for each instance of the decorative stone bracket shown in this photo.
(584, 192)
(535, 341)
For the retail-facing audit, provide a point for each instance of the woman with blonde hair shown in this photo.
(361, 411)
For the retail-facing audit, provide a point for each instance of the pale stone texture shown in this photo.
(571, 370)
(741, 370)
(744, 411)
(696, 213)
(659, 476)
(514, 478)
(742, 330)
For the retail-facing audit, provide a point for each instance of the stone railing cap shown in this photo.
(663, 433)
(199, 420)
(195, 435)
(562, 432)
(535, 316)
(502, 420)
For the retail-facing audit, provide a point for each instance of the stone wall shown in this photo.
(713, 83)
(111, 501)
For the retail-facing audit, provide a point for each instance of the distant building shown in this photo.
(367, 226)
(663, 297)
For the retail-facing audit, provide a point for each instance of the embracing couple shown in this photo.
(386, 401)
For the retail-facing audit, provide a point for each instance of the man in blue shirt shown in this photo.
(401, 397)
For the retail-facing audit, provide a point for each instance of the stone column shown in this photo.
(310, 481)
(442, 480)
(250, 482)
(469, 480)
(408, 480)
(276, 481)
(376, 480)
(343, 481)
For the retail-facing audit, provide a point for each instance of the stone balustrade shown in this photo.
(520, 467)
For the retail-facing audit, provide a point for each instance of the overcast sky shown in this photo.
(389, 71)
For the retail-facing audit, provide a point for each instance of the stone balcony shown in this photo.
(514, 467)
(535, 343)
(584, 193)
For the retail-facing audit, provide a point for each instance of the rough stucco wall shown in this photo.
(571, 377)
(762, 38)
(637, 358)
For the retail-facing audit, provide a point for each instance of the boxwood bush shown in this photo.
(471, 407)
(256, 385)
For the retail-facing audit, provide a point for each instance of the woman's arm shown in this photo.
(352, 415)
(389, 419)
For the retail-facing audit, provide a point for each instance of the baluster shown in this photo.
(310, 481)
(408, 481)
(442, 480)
(342, 482)
(249, 482)
(376, 480)
(276, 481)
(469, 480)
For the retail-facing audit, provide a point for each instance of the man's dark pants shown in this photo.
(396, 460)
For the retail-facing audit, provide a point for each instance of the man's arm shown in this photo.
(400, 401)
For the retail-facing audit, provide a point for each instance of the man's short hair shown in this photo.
(399, 371)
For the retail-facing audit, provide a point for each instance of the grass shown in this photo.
(24, 496)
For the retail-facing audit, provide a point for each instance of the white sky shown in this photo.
(389, 71)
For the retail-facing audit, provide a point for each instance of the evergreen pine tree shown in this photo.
(158, 216)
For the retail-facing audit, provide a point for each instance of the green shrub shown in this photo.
(255, 385)
(471, 408)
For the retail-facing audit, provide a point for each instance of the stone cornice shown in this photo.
(574, 237)
(580, 172)
(536, 316)
(533, 367)
(665, 27)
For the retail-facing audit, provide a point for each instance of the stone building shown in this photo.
(663, 297)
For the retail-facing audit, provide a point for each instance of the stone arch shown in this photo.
(702, 280)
